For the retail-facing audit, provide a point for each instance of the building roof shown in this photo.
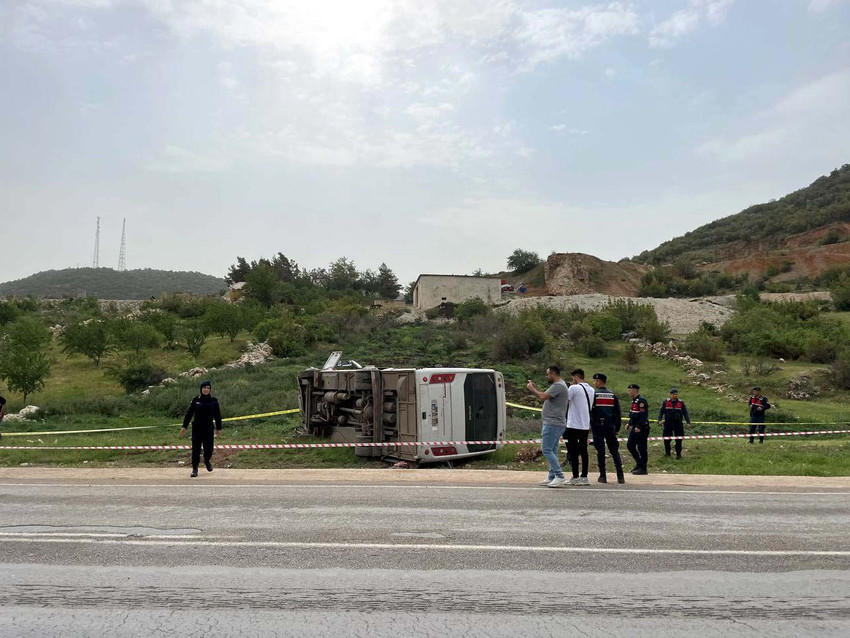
(499, 279)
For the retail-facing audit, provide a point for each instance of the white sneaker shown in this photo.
(575, 481)
(582, 480)
(557, 482)
(545, 482)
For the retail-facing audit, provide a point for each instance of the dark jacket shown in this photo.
(205, 411)
(606, 409)
(674, 412)
(756, 415)
(639, 414)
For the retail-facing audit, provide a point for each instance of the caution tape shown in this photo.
(148, 427)
(533, 409)
(389, 444)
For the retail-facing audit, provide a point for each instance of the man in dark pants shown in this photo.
(673, 414)
(2, 409)
(605, 421)
(638, 428)
(758, 404)
(206, 425)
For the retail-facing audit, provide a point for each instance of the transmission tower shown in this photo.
(122, 256)
(96, 259)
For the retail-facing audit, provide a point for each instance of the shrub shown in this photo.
(841, 292)
(140, 336)
(194, 336)
(653, 330)
(841, 370)
(703, 345)
(820, 349)
(522, 260)
(470, 308)
(288, 339)
(593, 347)
(91, 339)
(136, 373)
(630, 313)
(631, 358)
(606, 326)
(520, 337)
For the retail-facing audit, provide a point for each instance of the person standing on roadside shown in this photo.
(638, 428)
(579, 403)
(205, 426)
(2, 410)
(758, 404)
(554, 422)
(605, 422)
(674, 414)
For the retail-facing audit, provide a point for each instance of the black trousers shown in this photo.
(606, 435)
(674, 429)
(760, 426)
(577, 450)
(202, 437)
(637, 445)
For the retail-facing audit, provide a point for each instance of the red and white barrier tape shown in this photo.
(309, 446)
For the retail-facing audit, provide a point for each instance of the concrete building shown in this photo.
(432, 290)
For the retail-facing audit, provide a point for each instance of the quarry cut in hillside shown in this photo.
(683, 315)
(581, 274)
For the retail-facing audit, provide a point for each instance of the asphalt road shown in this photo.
(172, 557)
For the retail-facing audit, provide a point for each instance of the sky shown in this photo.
(435, 136)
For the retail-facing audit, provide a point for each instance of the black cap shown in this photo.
(206, 384)
(674, 390)
(634, 386)
(601, 376)
(756, 387)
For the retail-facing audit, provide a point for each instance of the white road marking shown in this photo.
(628, 489)
(58, 534)
(439, 547)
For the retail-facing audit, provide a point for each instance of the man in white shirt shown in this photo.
(579, 401)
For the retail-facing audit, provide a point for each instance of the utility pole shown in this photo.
(96, 259)
(122, 256)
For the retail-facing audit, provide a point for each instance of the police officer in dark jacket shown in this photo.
(206, 425)
(638, 428)
(758, 404)
(674, 414)
(605, 421)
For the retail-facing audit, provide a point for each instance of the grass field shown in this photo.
(80, 396)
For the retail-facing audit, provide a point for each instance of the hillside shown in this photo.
(106, 283)
(800, 234)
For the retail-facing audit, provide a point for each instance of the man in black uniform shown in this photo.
(673, 414)
(638, 428)
(206, 425)
(2, 410)
(605, 421)
(758, 404)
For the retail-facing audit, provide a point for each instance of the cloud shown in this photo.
(818, 6)
(548, 34)
(814, 111)
(668, 33)
(610, 72)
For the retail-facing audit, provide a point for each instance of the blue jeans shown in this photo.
(551, 436)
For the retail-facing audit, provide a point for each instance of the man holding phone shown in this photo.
(554, 422)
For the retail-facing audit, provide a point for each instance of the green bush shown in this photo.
(631, 358)
(841, 370)
(703, 345)
(606, 326)
(136, 373)
(593, 347)
(520, 337)
(470, 308)
(653, 330)
(630, 313)
(841, 292)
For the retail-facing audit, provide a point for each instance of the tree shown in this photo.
(140, 336)
(262, 284)
(91, 339)
(388, 286)
(522, 260)
(224, 319)
(23, 370)
(23, 366)
(408, 292)
(194, 335)
(369, 283)
(284, 268)
(238, 272)
(342, 275)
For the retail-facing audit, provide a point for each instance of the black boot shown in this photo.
(209, 466)
(640, 471)
(194, 472)
(602, 477)
(620, 476)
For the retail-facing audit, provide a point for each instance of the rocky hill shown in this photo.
(106, 283)
(800, 234)
(581, 274)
